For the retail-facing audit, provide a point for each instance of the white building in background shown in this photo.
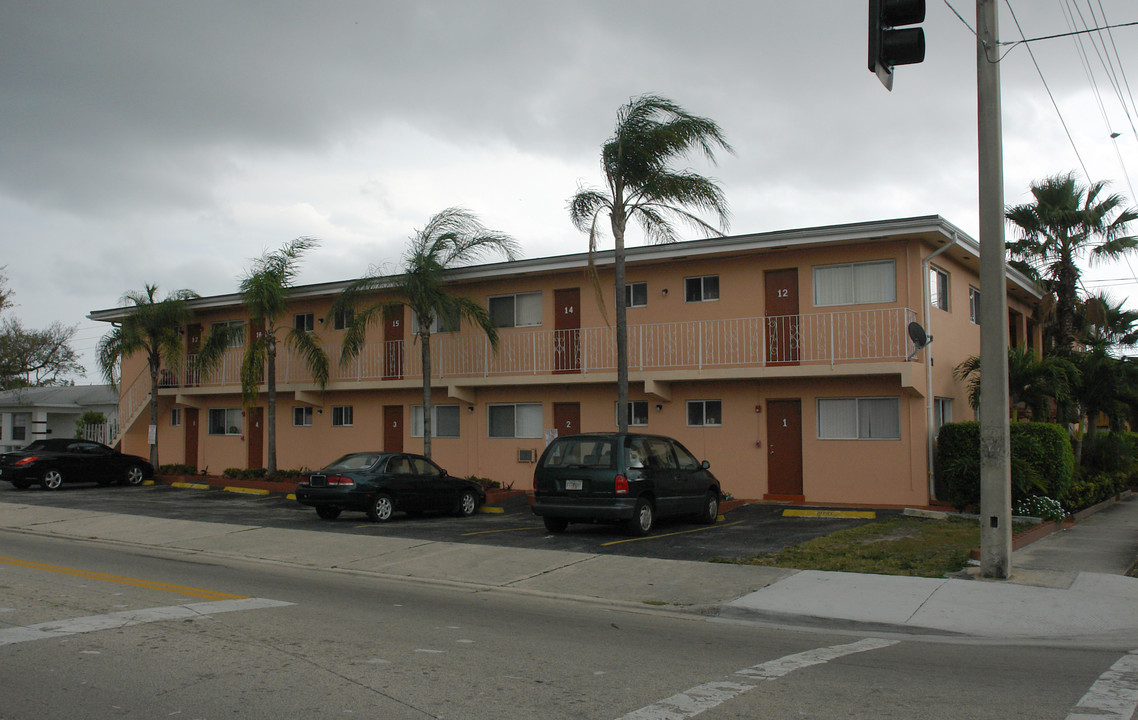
(34, 413)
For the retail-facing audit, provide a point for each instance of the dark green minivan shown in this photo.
(631, 478)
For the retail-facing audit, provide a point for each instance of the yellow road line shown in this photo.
(680, 532)
(136, 582)
(247, 491)
(489, 532)
(863, 514)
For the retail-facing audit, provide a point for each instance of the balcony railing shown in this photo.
(815, 339)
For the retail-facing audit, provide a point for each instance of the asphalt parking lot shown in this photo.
(741, 533)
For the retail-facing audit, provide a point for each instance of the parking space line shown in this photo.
(1114, 696)
(120, 579)
(489, 532)
(679, 532)
(859, 514)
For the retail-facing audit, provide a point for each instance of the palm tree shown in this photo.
(1066, 222)
(152, 327)
(651, 131)
(1105, 321)
(1033, 382)
(452, 238)
(265, 291)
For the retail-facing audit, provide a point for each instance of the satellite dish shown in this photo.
(919, 337)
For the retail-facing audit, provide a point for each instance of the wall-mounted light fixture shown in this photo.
(659, 408)
(470, 408)
(664, 292)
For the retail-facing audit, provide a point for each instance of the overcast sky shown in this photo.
(172, 142)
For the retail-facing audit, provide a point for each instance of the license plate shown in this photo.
(574, 484)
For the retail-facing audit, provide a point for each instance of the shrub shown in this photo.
(90, 417)
(486, 483)
(1042, 507)
(1112, 452)
(1090, 488)
(177, 469)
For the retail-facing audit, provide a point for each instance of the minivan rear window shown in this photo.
(579, 453)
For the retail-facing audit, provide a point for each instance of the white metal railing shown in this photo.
(100, 432)
(814, 339)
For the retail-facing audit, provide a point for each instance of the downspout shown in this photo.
(930, 439)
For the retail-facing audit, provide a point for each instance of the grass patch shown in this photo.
(897, 545)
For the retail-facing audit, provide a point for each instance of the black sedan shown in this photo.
(53, 462)
(382, 483)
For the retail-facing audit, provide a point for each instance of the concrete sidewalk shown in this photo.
(1067, 585)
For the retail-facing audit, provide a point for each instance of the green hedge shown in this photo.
(1041, 459)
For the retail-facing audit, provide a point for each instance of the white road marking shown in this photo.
(1114, 696)
(126, 618)
(704, 697)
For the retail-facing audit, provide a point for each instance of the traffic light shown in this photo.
(889, 43)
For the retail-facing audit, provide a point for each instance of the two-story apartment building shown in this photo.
(783, 358)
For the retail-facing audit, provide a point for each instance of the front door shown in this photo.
(393, 344)
(193, 347)
(784, 449)
(190, 419)
(567, 330)
(567, 418)
(782, 339)
(255, 431)
(393, 428)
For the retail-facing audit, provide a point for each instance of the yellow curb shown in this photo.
(247, 491)
(862, 514)
(491, 509)
(290, 496)
(147, 482)
(190, 486)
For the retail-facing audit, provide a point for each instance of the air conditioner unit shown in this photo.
(527, 456)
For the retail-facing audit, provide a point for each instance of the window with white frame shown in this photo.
(20, 422)
(942, 413)
(701, 289)
(974, 305)
(342, 416)
(515, 420)
(869, 418)
(225, 421)
(235, 330)
(636, 294)
(520, 310)
(855, 283)
(705, 413)
(305, 322)
(342, 319)
(938, 288)
(302, 416)
(439, 324)
(637, 413)
(444, 421)
(175, 417)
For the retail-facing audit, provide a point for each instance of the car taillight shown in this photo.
(30, 459)
(340, 481)
(620, 484)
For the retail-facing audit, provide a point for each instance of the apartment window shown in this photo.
(20, 422)
(636, 294)
(942, 413)
(444, 421)
(974, 305)
(235, 330)
(705, 413)
(701, 289)
(175, 417)
(855, 283)
(342, 319)
(342, 416)
(938, 288)
(522, 310)
(302, 416)
(859, 418)
(225, 421)
(305, 322)
(518, 420)
(439, 324)
(637, 413)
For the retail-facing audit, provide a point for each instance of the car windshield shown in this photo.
(582, 452)
(354, 461)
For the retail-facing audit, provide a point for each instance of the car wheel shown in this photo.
(642, 518)
(327, 513)
(710, 512)
(22, 484)
(382, 508)
(51, 479)
(555, 524)
(467, 504)
(134, 475)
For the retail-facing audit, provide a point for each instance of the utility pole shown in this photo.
(995, 462)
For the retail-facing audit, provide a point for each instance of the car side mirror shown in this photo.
(705, 464)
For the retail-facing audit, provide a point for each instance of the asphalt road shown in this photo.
(744, 532)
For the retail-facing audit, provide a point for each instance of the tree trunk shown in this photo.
(621, 326)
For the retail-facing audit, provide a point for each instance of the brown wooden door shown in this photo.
(393, 344)
(190, 421)
(255, 432)
(193, 347)
(784, 449)
(567, 418)
(393, 428)
(567, 330)
(782, 338)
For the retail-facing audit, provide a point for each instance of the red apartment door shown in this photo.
(190, 419)
(567, 330)
(782, 338)
(393, 428)
(784, 449)
(393, 344)
(567, 418)
(255, 432)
